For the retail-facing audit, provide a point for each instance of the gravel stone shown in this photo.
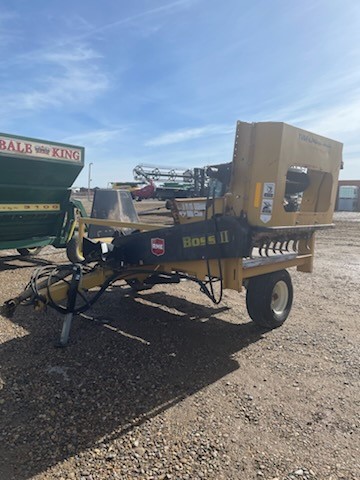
(173, 387)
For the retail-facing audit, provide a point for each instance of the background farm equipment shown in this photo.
(175, 182)
(35, 205)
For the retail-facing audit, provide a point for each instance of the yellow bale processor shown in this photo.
(259, 218)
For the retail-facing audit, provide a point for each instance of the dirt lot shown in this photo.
(174, 387)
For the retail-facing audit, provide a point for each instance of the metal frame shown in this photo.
(263, 154)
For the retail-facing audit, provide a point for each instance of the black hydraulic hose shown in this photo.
(214, 300)
(56, 273)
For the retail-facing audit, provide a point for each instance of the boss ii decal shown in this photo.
(189, 242)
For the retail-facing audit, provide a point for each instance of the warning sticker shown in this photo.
(269, 190)
(267, 202)
(267, 206)
(189, 209)
(266, 210)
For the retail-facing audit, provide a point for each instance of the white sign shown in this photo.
(29, 148)
(267, 202)
(269, 190)
(189, 209)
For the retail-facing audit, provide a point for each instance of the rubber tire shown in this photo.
(27, 252)
(259, 296)
(72, 250)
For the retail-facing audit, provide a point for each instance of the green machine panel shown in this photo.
(35, 180)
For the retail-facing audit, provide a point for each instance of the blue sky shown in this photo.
(163, 82)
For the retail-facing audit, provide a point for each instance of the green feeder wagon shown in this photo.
(35, 205)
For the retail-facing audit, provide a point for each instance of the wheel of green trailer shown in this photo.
(269, 299)
(73, 251)
(27, 252)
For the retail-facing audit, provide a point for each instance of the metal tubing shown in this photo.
(71, 302)
(65, 332)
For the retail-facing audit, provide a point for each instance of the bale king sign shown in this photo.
(28, 148)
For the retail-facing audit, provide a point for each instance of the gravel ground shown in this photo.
(165, 385)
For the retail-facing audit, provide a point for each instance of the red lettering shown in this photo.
(2, 145)
(11, 146)
(55, 152)
(68, 155)
(76, 155)
(28, 148)
(18, 147)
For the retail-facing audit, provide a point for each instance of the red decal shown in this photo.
(158, 246)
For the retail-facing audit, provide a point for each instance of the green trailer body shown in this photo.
(35, 180)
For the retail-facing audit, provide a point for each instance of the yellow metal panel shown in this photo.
(117, 223)
(263, 153)
(90, 280)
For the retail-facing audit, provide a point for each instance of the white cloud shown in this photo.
(95, 137)
(60, 77)
(7, 33)
(322, 96)
(185, 135)
(67, 57)
(331, 108)
(340, 119)
(167, 8)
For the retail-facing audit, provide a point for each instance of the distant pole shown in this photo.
(89, 180)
